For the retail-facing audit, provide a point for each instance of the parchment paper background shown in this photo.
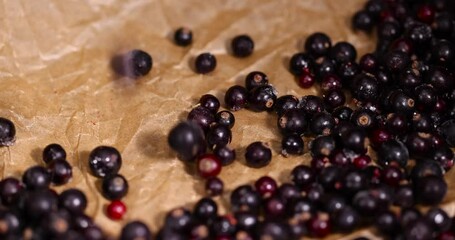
(57, 86)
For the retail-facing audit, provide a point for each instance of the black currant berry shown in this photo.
(36, 177)
(136, 63)
(225, 154)
(104, 161)
(205, 63)
(73, 200)
(242, 46)
(135, 230)
(299, 63)
(210, 102)
(261, 98)
(256, 79)
(114, 187)
(258, 154)
(236, 98)
(53, 152)
(10, 191)
(187, 139)
(218, 136)
(61, 171)
(203, 116)
(7, 132)
(183, 37)
(318, 44)
(292, 145)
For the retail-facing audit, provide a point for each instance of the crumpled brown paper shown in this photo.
(57, 86)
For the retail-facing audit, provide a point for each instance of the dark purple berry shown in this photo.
(134, 64)
(292, 145)
(365, 88)
(225, 154)
(187, 139)
(256, 79)
(369, 63)
(420, 35)
(322, 123)
(183, 37)
(258, 154)
(388, 31)
(208, 165)
(396, 61)
(274, 208)
(53, 152)
(322, 146)
(293, 121)
(73, 200)
(236, 98)
(218, 136)
(36, 177)
(419, 229)
(404, 196)
(285, 103)
(346, 220)
(447, 131)
(306, 79)
(266, 186)
(225, 118)
(273, 229)
(311, 104)
(343, 52)
(114, 187)
(430, 190)
(342, 113)
(325, 66)
(12, 225)
(302, 176)
(261, 98)
(202, 116)
(355, 139)
(387, 223)
(393, 152)
(319, 226)
(61, 171)
(318, 44)
(246, 221)
(397, 123)
(210, 102)
(330, 82)
(364, 118)
(205, 210)
(179, 220)
(347, 71)
(7, 132)
(299, 63)
(205, 63)
(214, 186)
(11, 190)
(362, 20)
(242, 46)
(104, 161)
(245, 199)
(38, 203)
(334, 99)
(135, 230)
(439, 219)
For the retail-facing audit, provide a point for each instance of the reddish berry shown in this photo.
(115, 210)
(361, 161)
(266, 186)
(426, 13)
(306, 79)
(208, 165)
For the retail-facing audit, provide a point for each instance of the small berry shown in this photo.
(203, 116)
(292, 144)
(7, 132)
(36, 177)
(261, 98)
(242, 46)
(104, 161)
(225, 118)
(183, 37)
(306, 79)
(73, 200)
(53, 152)
(318, 44)
(187, 139)
(258, 154)
(299, 63)
(236, 98)
(218, 136)
(205, 63)
(114, 187)
(135, 230)
(225, 154)
(61, 171)
(214, 186)
(10, 191)
(210, 102)
(256, 79)
(266, 186)
(136, 63)
(205, 210)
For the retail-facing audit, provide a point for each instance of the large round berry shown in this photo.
(187, 139)
(114, 187)
(258, 154)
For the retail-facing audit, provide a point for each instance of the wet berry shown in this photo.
(205, 63)
(183, 36)
(258, 154)
(187, 139)
(104, 161)
(115, 210)
(208, 165)
(242, 46)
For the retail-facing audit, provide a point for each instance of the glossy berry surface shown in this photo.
(242, 46)
(202, 116)
(210, 102)
(214, 186)
(73, 200)
(104, 161)
(205, 63)
(318, 44)
(10, 191)
(135, 230)
(36, 177)
(256, 79)
(7, 132)
(236, 98)
(205, 210)
(266, 186)
(292, 145)
(299, 63)
(61, 171)
(225, 154)
(53, 152)
(261, 98)
(208, 165)
(187, 139)
(225, 118)
(115, 210)
(114, 187)
(218, 136)
(183, 36)
(39, 203)
(258, 154)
